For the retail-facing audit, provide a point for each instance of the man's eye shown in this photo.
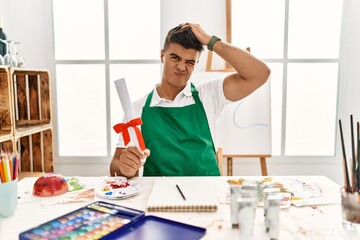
(175, 58)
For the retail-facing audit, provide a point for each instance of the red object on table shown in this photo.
(50, 184)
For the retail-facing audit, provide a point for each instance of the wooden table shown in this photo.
(320, 222)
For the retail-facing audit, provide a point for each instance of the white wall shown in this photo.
(29, 22)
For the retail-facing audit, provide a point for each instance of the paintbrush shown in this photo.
(354, 175)
(347, 182)
(358, 156)
(116, 179)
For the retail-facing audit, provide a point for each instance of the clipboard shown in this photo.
(103, 220)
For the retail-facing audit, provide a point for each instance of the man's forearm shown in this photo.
(244, 63)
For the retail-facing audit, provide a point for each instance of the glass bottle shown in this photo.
(3, 50)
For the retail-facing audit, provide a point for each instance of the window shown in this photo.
(91, 52)
(300, 41)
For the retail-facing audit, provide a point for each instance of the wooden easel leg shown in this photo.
(229, 166)
(263, 166)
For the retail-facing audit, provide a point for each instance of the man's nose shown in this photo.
(181, 66)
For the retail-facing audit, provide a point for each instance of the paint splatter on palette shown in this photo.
(118, 188)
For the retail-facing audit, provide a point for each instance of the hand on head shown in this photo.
(202, 36)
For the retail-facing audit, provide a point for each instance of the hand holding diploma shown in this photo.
(128, 162)
(130, 131)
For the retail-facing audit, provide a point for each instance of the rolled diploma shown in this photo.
(124, 96)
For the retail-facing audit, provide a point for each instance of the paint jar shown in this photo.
(272, 219)
(266, 193)
(234, 207)
(246, 216)
(8, 198)
(350, 208)
(252, 185)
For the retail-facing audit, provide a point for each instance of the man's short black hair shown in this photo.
(184, 37)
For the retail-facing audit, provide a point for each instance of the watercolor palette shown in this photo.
(94, 221)
(108, 221)
(118, 188)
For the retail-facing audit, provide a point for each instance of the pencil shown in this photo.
(11, 172)
(16, 168)
(2, 175)
(183, 196)
(347, 181)
(6, 170)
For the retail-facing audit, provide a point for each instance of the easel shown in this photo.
(228, 68)
(230, 157)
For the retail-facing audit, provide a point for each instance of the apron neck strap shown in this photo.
(194, 92)
(148, 99)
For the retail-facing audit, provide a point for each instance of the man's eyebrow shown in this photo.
(190, 61)
(186, 60)
(174, 55)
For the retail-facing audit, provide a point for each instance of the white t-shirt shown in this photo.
(211, 95)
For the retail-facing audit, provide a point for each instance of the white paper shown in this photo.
(124, 96)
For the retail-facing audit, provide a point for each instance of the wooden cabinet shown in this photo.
(6, 129)
(25, 117)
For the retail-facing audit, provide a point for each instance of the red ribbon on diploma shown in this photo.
(123, 128)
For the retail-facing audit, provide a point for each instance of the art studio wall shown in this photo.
(30, 22)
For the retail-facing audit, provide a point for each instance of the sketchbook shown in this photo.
(199, 193)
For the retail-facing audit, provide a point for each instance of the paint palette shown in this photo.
(93, 221)
(108, 221)
(118, 188)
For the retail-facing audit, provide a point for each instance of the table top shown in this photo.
(308, 222)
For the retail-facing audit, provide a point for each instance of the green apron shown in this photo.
(179, 139)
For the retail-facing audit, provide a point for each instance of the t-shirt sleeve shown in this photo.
(212, 95)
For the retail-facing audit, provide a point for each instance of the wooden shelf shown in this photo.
(26, 131)
(5, 102)
(5, 137)
(36, 151)
(6, 142)
(25, 117)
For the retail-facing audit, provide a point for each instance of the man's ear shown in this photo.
(162, 55)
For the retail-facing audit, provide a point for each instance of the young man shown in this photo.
(179, 118)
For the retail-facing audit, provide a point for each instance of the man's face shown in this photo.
(178, 64)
